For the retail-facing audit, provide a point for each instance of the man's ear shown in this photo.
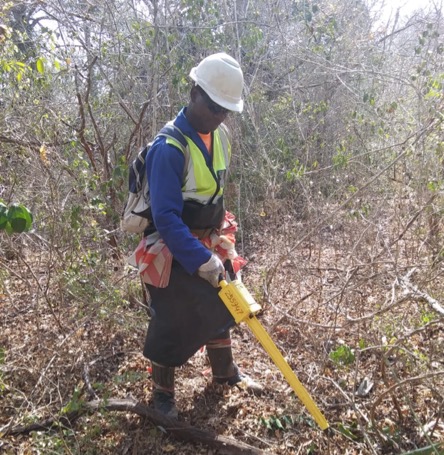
(194, 93)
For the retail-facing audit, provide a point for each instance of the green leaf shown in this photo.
(20, 218)
(346, 432)
(288, 420)
(342, 355)
(266, 423)
(76, 404)
(3, 216)
(40, 66)
(278, 424)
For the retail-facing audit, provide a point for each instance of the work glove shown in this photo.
(211, 270)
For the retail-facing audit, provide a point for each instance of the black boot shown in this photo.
(163, 392)
(225, 370)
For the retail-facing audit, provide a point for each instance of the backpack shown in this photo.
(136, 215)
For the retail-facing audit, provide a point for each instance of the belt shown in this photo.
(202, 233)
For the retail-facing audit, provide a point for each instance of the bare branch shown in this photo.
(177, 429)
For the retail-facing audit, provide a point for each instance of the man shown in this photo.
(187, 208)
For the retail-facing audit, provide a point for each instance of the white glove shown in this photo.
(211, 270)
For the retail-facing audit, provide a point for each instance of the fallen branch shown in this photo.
(413, 290)
(177, 429)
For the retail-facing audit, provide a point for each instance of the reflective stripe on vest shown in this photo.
(199, 183)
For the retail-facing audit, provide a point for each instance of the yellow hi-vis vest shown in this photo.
(201, 183)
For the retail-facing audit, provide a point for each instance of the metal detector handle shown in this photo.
(243, 308)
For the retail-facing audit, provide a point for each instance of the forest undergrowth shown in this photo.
(350, 306)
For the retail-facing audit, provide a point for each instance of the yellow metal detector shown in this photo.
(244, 308)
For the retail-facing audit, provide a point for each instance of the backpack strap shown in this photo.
(171, 131)
(137, 168)
(224, 138)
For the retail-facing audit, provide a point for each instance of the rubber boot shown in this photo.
(223, 367)
(163, 392)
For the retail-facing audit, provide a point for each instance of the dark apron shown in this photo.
(184, 317)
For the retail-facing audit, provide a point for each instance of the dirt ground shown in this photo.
(340, 323)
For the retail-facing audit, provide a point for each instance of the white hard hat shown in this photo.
(220, 76)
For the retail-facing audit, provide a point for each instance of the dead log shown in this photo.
(175, 428)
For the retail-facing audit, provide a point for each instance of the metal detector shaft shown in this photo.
(243, 308)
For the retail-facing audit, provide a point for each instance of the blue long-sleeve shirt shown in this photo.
(165, 166)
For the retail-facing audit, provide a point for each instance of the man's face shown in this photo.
(207, 114)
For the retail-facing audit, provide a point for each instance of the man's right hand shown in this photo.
(211, 270)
